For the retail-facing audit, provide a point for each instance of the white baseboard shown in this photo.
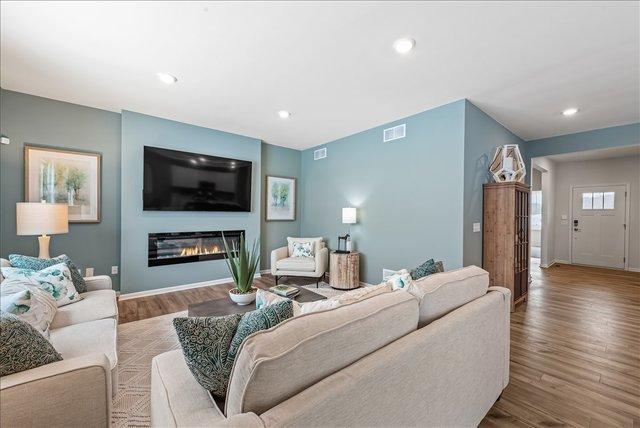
(633, 269)
(562, 262)
(264, 271)
(155, 291)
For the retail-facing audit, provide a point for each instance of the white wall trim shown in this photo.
(156, 291)
(632, 269)
(265, 271)
(562, 262)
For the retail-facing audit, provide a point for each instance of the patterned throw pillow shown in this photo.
(55, 280)
(260, 319)
(302, 249)
(210, 344)
(28, 303)
(425, 269)
(401, 279)
(439, 267)
(205, 344)
(22, 347)
(34, 263)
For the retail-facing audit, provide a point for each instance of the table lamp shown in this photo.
(35, 218)
(348, 217)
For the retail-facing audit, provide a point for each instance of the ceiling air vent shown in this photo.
(320, 153)
(394, 133)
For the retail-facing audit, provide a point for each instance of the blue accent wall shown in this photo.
(615, 136)
(27, 119)
(409, 192)
(482, 134)
(283, 162)
(139, 130)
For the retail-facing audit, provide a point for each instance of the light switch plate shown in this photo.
(88, 272)
(114, 270)
(476, 227)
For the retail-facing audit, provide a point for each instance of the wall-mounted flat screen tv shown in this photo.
(182, 181)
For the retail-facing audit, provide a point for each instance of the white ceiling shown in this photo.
(614, 152)
(331, 64)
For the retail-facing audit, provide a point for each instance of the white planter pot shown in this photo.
(243, 299)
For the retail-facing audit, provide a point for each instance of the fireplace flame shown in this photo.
(199, 250)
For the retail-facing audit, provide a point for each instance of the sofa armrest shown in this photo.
(322, 261)
(100, 282)
(278, 254)
(73, 392)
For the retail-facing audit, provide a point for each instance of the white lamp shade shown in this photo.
(348, 215)
(35, 218)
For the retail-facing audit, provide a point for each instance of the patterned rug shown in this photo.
(138, 343)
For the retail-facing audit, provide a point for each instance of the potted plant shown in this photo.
(242, 263)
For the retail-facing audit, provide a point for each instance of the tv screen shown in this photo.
(182, 181)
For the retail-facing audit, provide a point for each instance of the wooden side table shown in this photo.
(345, 270)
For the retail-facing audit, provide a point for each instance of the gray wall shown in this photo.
(139, 130)
(482, 134)
(409, 192)
(41, 121)
(282, 162)
(597, 172)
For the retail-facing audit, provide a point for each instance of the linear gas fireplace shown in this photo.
(188, 247)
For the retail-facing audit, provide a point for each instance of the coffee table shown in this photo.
(224, 305)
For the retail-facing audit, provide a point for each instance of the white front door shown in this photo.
(598, 226)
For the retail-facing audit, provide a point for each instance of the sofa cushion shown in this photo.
(274, 365)
(441, 293)
(34, 263)
(92, 337)
(317, 244)
(94, 305)
(298, 264)
(22, 347)
(362, 293)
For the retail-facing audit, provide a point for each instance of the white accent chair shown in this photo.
(284, 264)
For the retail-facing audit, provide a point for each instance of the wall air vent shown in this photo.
(394, 133)
(320, 154)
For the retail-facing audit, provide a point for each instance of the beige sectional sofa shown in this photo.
(436, 354)
(76, 391)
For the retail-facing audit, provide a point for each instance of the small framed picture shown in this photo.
(64, 176)
(280, 198)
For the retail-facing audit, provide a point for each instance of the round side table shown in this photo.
(344, 270)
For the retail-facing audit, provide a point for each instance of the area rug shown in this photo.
(138, 343)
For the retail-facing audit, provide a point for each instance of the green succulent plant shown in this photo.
(242, 262)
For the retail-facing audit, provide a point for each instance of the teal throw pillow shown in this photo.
(425, 269)
(261, 319)
(34, 263)
(210, 344)
(22, 347)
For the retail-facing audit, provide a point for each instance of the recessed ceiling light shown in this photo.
(167, 78)
(404, 45)
(569, 111)
(284, 114)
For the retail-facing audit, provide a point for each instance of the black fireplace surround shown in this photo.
(187, 247)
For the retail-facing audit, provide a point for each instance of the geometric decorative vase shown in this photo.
(507, 164)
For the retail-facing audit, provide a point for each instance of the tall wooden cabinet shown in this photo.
(505, 240)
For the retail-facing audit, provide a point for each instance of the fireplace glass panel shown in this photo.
(188, 247)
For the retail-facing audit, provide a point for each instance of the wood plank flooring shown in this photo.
(575, 347)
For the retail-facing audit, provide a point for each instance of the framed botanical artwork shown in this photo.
(64, 176)
(280, 198)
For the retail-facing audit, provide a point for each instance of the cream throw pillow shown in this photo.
(362, 293)
(400, 279)
(28, 303)
(55, 280)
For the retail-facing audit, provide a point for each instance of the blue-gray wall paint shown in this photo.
(139, 130)
(409, 192)
(27, 119)
(282, 162)
(482, 134)
(615, 136)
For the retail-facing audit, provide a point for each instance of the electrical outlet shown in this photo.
(476, 227)
(114, 270)
(88, 271)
